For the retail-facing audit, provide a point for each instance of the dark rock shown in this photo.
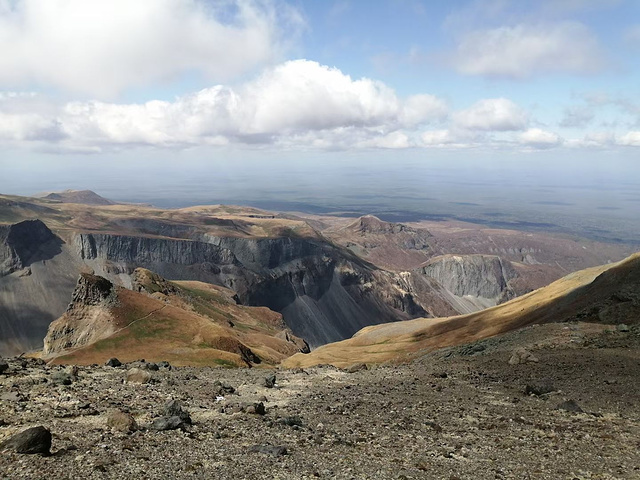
(256, 409)
(61, 378)
(113, 362)
(173, 408)
(570, 406)
(92, 290)
(275, 450)
(31, 440)
(167, 423)
(270, 380)
(4, 366)
(541, 388)
(164, 364)
(153, 367)
(222, 388)
(291, 421)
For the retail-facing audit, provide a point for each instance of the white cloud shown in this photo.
(523, 50)
(449, 138)
(101, 48)
(299, 99)
(497, 114)
(537, 138)
(593, 140)
(630, 139)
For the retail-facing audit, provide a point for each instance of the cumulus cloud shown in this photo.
(523, 50)
(538, 138)
(497, 114)
(300, 99)
(102, 48)
(630, 139)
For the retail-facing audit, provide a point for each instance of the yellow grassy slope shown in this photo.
(199, 333)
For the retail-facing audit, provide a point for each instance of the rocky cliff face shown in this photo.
(482, 280)
(23, 243)
(88, 317)
(324, 293)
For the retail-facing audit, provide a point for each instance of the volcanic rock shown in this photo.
(31, 440)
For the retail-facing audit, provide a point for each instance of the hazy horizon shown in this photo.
(505, 112)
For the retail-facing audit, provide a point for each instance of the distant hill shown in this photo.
(608, 294)
(85, 197)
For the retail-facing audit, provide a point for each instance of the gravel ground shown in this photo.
(455, 414)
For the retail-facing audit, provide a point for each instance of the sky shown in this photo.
(206, 84)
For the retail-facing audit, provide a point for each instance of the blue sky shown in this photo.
(207, 80)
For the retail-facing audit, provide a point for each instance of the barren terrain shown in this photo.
(459, 413)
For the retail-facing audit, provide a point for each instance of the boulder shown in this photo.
(173, 408)
(570, 406)
(113, 362)
(167, 423)
(540, 388)
(32, 440)
(270, 380)
(522, 355)
(137, 375)
(121, 421)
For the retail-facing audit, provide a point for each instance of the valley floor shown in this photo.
(460, 413)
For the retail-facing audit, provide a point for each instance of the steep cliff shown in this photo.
(324, 293)
(473, 281)
(37, 275)
(23, 243)
(88, 317)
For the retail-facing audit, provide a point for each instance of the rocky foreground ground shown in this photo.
(566, 407)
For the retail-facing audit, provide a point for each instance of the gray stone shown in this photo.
(61, 378)
(622, 328)
(256, 408)
(270, 380)
(570, 406)
(173, 408)
(291, 421)
(31, 440)
(167, 423)
(275, 450)
(137, 375)
(540, 388)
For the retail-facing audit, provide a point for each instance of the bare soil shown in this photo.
(457, 413)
